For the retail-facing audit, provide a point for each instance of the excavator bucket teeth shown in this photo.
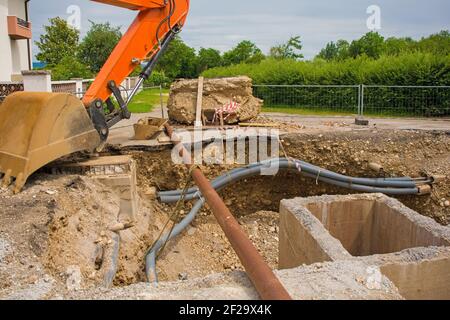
(38, 128)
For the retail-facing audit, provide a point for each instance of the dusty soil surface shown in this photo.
(203, 249)
(55, 238)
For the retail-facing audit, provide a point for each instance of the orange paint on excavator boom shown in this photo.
(138, 43)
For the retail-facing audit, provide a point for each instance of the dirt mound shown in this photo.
(63, 225)
(217, 93)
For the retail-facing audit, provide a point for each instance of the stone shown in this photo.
(360, 121)
(191, 231)
(183, 276)
(216, 93)
(74, 278)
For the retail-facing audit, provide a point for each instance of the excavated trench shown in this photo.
(71, 214)
(401, 153)
(203, 249)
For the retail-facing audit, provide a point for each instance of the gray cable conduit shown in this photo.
(150, 259)
(402, 182)
(391, 186)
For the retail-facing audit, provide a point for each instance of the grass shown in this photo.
(325, 112)
(147, 100)
(307, 111)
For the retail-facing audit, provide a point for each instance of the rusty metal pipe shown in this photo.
(266, 283)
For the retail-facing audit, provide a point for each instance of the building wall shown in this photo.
(14, 53)
(5, 44)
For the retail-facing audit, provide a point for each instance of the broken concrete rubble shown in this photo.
(216, 94)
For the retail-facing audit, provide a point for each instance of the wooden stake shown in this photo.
(198, 114)
(222, 124)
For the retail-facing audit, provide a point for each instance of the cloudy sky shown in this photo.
(221, 24)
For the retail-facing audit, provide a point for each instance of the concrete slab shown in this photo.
(419, 273)
(322, 123)
(341, 280)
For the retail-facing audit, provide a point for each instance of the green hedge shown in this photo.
(407, 69)
(412, 69)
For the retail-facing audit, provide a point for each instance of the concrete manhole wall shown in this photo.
(411, 250)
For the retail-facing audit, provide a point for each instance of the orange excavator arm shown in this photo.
(37, 128)
(156, 24)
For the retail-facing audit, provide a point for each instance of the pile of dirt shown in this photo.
(59, 229)
(217, 93)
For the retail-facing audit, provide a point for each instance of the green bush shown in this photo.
(409, 69)
(158, 78)
(69, 68)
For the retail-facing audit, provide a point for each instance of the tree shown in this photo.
(343, 49)
(330, 52)
(335, 51)
(59, 41)
(98, 44)
(371, 45)
(179, 61)
(289, 50)
(208, 58)
(436, 43)
(69, 68)
(395, 46)
(158, 78)
(245, 52)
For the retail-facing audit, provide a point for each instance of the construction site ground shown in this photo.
(49, 231)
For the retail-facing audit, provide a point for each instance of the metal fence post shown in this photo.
(359, 100)
(362, 101)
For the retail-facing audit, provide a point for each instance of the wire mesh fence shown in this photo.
(153, 96)
(314, 98)
(368, 100)
(412, 101)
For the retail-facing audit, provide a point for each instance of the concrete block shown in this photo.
(115, 172)
(361, 121)
(37, 81)
(411, 250)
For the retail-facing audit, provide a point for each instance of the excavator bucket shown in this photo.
(38, 128)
